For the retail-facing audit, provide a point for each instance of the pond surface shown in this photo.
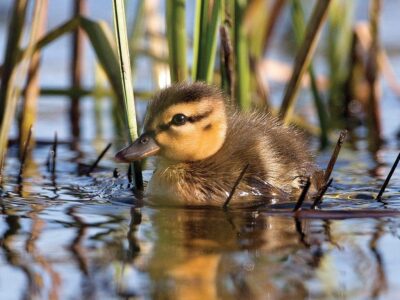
(82, 237)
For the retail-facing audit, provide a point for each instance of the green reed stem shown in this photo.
(176, 35)
(303, 58)
(197, 36)
(242, 57)
(126, 78)
(205, 39)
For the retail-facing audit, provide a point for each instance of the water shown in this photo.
(80, 237)
(88, 237)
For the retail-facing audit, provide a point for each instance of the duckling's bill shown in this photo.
(143, 147)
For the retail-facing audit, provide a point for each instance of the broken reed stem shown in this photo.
(335, 154)
(76, 69)
(321, 193)
(389, 176)
(228, 200)
(94, 165)
(303, 195)
(227, 63)
(303, 57)
(24, 154)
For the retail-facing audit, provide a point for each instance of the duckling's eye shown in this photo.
(179, 119)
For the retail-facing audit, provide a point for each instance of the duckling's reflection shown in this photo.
(210, 254)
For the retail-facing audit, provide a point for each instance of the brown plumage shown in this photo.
(202, 145)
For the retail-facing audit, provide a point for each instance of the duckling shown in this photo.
(202, 144)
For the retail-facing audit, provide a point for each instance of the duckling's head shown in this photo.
(184, 122)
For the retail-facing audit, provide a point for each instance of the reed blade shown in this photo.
(126, 79)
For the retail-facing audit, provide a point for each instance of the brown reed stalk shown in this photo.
(372, 75)
(273, 16)
(32, 89)
(8, 95)
(303, 57)
(227, 63)
(76, 69)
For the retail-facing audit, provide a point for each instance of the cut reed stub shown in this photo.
(387, 180)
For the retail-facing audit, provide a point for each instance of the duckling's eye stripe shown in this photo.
(191, 119)
(196, 118)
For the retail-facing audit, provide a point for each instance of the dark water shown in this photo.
(80, 237)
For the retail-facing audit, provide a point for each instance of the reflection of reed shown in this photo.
(134, 248)
(79, 253)
(34, 280)
(36, 230)
(379, 284)
(76, 248)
